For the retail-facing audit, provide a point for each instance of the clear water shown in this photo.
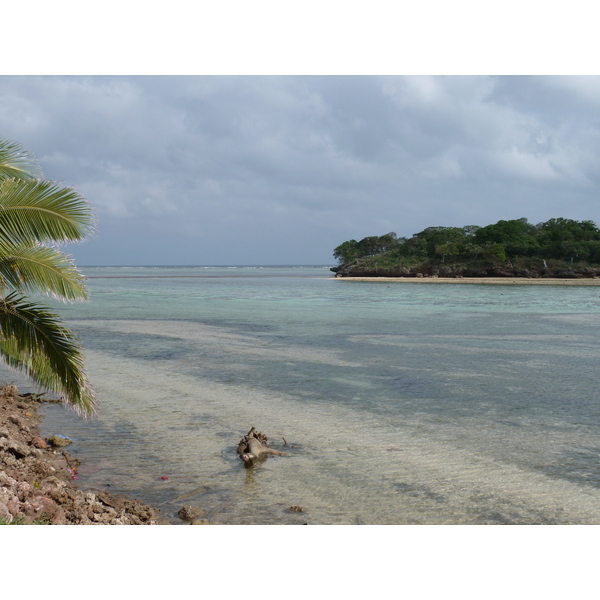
(399, 403)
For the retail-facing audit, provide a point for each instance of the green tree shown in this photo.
(594, 250)
(368, 246)
(567, 239)
(495, 253)
(517, 236)
(346, 252)
(436, 237)
(472, 250)
(35, 216)
(448, 249)
(373, 245)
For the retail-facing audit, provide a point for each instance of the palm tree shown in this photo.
(35, 216)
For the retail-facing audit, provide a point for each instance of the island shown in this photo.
(557, 249)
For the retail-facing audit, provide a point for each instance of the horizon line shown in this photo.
(256, 265)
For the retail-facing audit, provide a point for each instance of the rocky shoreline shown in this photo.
(37, 476)
(459, 272)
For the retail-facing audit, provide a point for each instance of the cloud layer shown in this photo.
(280, 170)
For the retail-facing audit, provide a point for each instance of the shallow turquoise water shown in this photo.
(399, 403)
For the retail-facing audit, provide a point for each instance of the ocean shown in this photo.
(399, 403)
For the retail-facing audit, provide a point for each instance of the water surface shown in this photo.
(399, 403)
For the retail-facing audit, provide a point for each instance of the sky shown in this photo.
(281, 169)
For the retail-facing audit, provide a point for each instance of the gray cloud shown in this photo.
(232, 170)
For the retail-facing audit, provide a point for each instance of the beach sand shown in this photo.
(476, 280)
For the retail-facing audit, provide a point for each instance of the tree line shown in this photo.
(558, 238)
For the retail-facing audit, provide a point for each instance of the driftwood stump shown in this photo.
(253, 446)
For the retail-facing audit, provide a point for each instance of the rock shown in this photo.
(42, 469)
(23, 490)
(38, 442)
(20, 424)
(107, 514)
(200, 522)
(5, 513)
(6, 480)
(59, 517)
(114, 501)
(143, 512)
(54, 483)
(10, 391)
(10, 460)
(190, 513)
(59, 441)
(13, 506)
(18, 450)
(41, 506)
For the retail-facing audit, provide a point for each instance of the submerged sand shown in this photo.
(476, 280)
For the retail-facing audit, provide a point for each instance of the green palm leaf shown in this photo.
(42, 211)
(34, 340)
(41, 270)
(34, 214)
(16, 161)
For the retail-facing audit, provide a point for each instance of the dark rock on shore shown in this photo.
(36, 482)
(58, 441)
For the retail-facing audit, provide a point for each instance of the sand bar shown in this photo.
(476, 280)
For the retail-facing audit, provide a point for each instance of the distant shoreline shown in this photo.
(476, 280)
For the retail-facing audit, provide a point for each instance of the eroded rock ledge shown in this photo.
(457, 272)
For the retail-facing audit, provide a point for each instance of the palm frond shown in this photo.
(33, 215)
(34, 340)
(16, 161)
(41, 270)
(42, 211)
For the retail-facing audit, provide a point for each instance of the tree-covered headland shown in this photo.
(558, 247)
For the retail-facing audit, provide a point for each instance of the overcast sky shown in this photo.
(185, 170)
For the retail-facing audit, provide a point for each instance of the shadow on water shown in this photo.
(579, 465)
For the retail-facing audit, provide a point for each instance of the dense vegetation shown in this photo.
(515, 246)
